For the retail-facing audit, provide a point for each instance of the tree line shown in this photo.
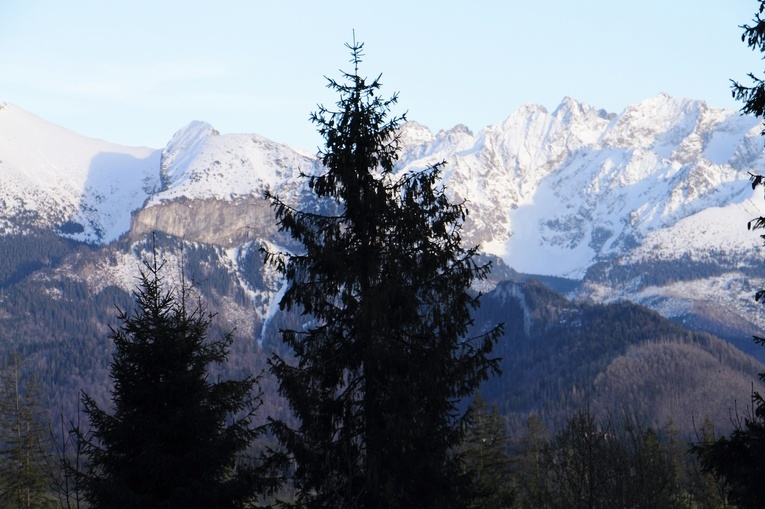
(590, 462)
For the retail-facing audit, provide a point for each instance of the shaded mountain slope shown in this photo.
(559, 356)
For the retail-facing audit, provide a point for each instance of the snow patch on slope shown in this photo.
(713, 228)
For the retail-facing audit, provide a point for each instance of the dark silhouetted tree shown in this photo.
(752, 96)
(739, 460)
(387, 353)
(24, 442)
(705, 490)
(593, 464)
(530, 467)
(578, 464)
(174, 438)
(486, 457)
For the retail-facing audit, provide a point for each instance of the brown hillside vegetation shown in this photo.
(561, 356)
(683, 382)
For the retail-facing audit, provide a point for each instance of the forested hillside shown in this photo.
(560, 356)
(557, 355)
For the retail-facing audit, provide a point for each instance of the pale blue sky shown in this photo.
(135, 72)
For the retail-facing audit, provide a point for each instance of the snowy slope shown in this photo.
(555, 192)
(52, 177)
(550, 193)
(199, 164)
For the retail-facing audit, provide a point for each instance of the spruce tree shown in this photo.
(753, 96)
(174, 438)
(25, 456)
(386, 356)
(739, 460)
(530, 468)
(485, 451)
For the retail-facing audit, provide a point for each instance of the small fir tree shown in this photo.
(386, 357)
(25, 455)
(530, 467)
(752, 96)
(485, 452)
(174, 438)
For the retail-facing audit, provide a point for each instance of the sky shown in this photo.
(134, 73)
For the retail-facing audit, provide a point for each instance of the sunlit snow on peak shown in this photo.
(87, 186)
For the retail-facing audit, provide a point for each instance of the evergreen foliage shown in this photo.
(529, 468)
(174, 439)
(753, 97)
(381, 367)
(25, 457)
(486, 457)
(708, 490)
(598, 464)
(739, 460)
(24, 253)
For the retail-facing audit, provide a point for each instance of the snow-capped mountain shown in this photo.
(53, 178)
(650, 205)
(200, 164)
(579, 192)
(552, 193)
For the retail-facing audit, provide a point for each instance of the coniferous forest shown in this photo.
(383, 380)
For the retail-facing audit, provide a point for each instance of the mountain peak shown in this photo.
(458, 130)
(666, 101)
(527, 110)
(570, 110)
(190, 134)
(182, 148)
(660, 123)
(414, 134)
(569, 104)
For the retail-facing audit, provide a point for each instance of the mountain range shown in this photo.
(649, 206)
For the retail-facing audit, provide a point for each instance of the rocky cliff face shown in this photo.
(225, 223)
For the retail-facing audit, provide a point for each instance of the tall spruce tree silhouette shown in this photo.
(385, 358)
